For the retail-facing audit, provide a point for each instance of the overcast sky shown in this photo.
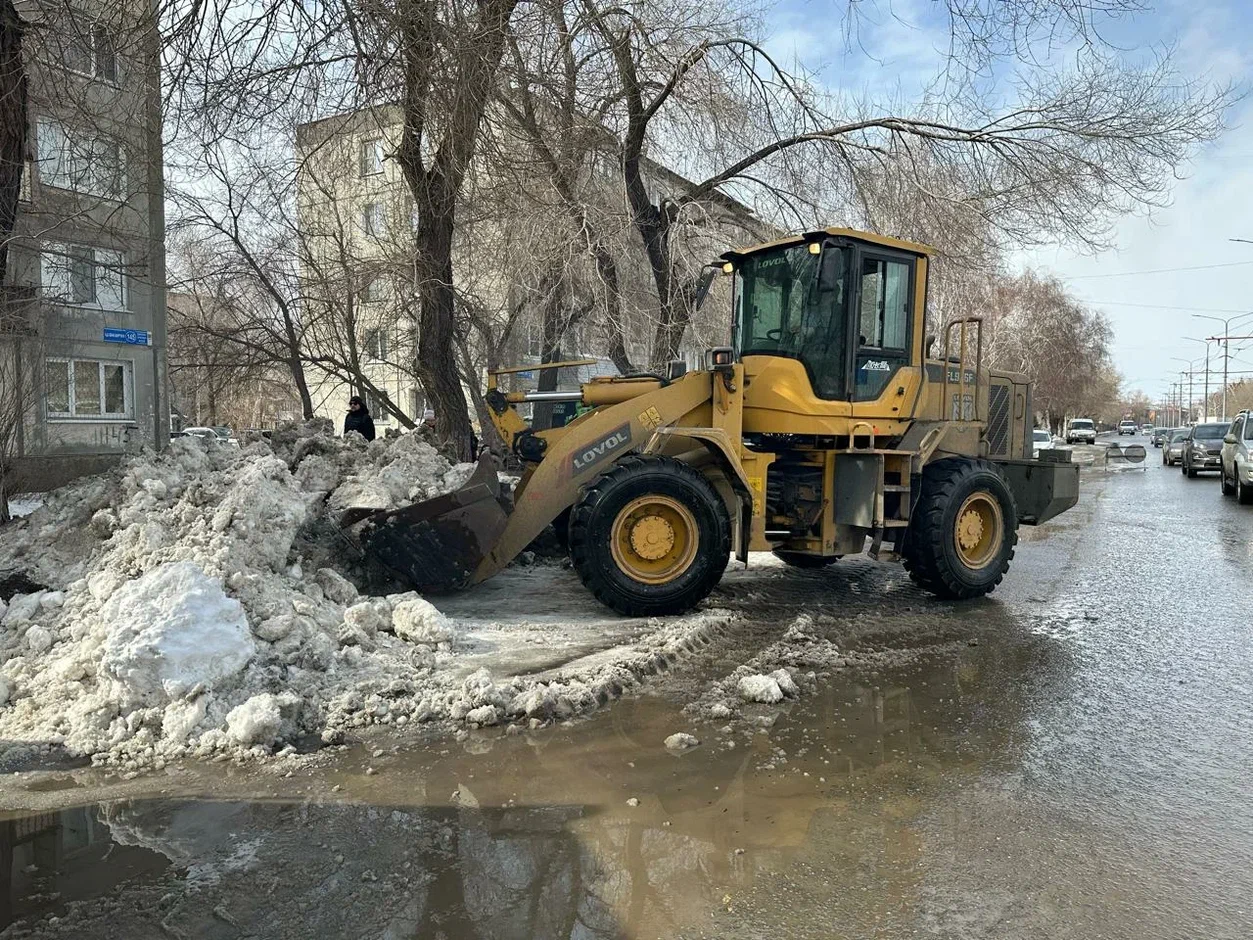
(897, 47)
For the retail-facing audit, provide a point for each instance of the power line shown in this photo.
(1125, 303)
(1198, 267)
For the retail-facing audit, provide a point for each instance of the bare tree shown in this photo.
(20, 359)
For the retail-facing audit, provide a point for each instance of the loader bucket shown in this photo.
(435, 545)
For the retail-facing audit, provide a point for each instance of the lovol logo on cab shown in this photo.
(593, 454)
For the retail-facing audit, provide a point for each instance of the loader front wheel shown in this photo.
(963, 531)
(651, 536)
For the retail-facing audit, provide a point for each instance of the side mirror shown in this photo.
(830, 270)
(702, 288)
(1229, 439)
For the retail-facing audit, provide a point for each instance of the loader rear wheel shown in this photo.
(651, 536)
(962, 534)
(802, 560)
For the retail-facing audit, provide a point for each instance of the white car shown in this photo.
(216, 435)
(1128, 427)
(1081, 431)
(1041, 439)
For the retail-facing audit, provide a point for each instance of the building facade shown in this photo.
(356, 218)
(86, 267)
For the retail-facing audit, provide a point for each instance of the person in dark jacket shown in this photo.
(358, 419)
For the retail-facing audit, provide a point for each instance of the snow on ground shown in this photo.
(184, 615)
(24, 504)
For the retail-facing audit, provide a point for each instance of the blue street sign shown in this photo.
(113, 334)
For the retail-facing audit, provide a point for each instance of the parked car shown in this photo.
(1203, 448)
(1041, 439)
(1160, 435)
(1081, 431)
(1172, 448)
(1236, 467)
(1127, 427)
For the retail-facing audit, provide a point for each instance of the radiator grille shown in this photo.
(998, 421)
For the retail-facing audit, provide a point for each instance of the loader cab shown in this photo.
(849, 309)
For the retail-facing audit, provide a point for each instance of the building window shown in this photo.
(372, 289)
(373, 218)
(79, 161)
(83, 276)
(371, 157)
(375, 343)
(89, 49)
(89, 388)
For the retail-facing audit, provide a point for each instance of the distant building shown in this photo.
(84, 301)
(356, 217)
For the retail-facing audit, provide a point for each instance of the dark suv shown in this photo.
(1203, 448)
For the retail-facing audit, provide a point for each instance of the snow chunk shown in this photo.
(787, 685)
(365, 617)
(23, 606)
(257, 721)
(5, 691)
(681, 741)
(417, 621)
(171, 630)
(760, 688)
(483, 715)
(336, 586)
(38, 639)
(720, 711)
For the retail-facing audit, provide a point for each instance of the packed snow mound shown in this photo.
(194, 607)
(394, 474)
(173, 630)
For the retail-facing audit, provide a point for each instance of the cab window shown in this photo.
(1237, 428)
(1248, 430)
(883, 320)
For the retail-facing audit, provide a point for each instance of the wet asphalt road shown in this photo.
(1070, 759)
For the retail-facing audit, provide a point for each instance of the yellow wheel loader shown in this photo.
(828, 428)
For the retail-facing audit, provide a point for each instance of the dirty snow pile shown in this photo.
(179, 620)
(783, 670)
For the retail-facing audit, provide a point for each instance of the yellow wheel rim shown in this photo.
(654, 539)
(979, 530)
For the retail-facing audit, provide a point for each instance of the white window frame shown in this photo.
(371, 147)
(375, 343)
(95, 28)
(75, 166)
(107, 258)
(371, 290)
(374, 219)
(75, 363)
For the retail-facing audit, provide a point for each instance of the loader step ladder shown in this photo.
(891, 501)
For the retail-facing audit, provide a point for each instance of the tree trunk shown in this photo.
(436, 363)
(13, 126)
(302, 387)
(553, 326)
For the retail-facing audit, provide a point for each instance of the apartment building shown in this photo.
(356, 218)
(84, 298)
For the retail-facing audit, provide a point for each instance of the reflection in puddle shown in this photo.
(573, 832)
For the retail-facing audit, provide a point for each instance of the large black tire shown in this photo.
(592, 536)
(801, 560)
(931, 554)
(1244, 491)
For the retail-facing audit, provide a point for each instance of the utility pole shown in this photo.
(1226, 341)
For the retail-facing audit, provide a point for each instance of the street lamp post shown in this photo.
(1193, 339)
(1190, 373)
